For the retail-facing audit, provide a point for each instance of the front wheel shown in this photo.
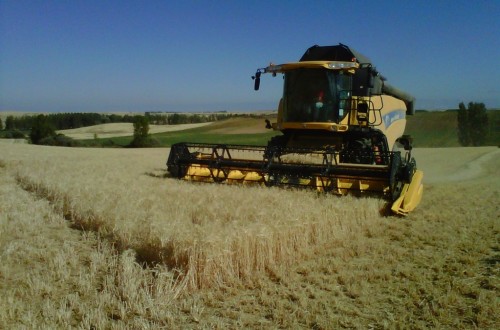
(275, 146)
(395, 180)
(178, 152)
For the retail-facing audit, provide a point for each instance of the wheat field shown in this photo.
(102, 238)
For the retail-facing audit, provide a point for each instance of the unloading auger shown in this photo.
(342, 132)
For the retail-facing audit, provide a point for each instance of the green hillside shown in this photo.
(214, 133)
(433, 129)
(439, 128)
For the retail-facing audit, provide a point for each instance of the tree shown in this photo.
(9, 123)
(41, 129)
(1, 124)
(478, 119)
(472, 124)
(463, 125)
(141, 132)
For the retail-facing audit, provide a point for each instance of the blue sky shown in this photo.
(79, 56)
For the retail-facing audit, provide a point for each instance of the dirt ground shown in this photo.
(454, 164)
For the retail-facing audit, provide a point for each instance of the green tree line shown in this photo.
(60, 121)
(179, 118)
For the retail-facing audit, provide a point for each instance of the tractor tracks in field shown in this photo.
(151, 255)
(466, 164)
(60, 203)
(474, 168)
(88, 221)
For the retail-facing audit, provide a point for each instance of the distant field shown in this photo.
(121, 129)
(102, 238)
(5, 114)
(429, 129)
(233, 131)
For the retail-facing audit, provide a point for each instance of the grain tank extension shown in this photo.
(342, 131)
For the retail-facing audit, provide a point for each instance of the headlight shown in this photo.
(342, 65)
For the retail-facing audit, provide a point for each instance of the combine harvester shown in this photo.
(342, 131)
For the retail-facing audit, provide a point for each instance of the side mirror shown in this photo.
(268, 124)
(406, 141)
(257, 80)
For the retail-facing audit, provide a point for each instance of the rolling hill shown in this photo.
(439, 128)
(428, 129)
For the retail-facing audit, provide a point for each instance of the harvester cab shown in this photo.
(341, 128)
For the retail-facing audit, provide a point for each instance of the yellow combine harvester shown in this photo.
(342, 131)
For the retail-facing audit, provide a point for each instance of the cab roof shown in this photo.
(339, 52)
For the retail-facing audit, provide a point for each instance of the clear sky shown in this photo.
(79, 56)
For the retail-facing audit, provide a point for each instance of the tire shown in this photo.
(177, 152)
(395, 181)
(275, 145)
